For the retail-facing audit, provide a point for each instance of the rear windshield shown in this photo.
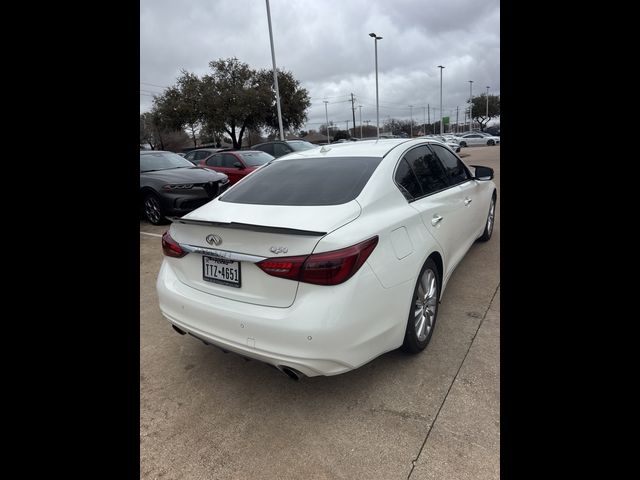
(305, 182)
(254, 159)
(300, 145)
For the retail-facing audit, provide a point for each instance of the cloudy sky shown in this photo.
(326, 45)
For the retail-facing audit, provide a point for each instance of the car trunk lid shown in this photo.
(245, 234)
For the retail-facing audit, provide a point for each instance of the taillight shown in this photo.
(170, 247)
(285, 267)
(328, 268)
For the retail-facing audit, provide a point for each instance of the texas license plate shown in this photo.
(218, 270)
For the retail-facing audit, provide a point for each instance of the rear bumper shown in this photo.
(327, 330)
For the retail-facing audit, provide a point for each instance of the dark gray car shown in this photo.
(279, 148)
(172, 186)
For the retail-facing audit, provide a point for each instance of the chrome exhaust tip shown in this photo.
(292, 373)
(181, 332)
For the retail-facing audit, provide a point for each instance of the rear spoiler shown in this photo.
(246, 226)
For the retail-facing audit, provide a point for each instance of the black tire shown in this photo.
(412, 342)
(491, 218)
(491, 143)
(152, 209)
(463, 143)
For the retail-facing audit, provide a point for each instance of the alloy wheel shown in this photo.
(492, 212)
(152, 209)
(425, 304)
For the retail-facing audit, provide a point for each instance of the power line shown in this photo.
(154, 85)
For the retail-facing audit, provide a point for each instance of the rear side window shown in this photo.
(228, 160)
(280, 149)
(407, 180)
(456, 171)
(268, 148)
(305, 182)
(427, 169)
(214, 161)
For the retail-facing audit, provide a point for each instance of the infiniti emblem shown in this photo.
(213, 239)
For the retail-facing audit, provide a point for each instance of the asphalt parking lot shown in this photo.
(205, 414)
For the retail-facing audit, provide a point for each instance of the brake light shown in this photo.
(284, 267)
(170, 247)
(328, 268)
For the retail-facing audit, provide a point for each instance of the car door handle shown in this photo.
(436, 220)
(467, 201)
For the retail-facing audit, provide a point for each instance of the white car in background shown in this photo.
(324, 259)
(478, 138)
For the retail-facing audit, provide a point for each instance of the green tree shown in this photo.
(480, 109)
(160, 135)
(294, 101)
(180, 105)
(233, 99)
(152, 129)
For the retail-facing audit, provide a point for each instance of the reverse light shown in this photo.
(170, 247)
(327, 268)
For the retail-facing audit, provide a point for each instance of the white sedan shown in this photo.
(469, 139)
(324, 259)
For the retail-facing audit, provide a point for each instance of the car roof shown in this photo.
(151, 152)
(280, 141)
(365, 148)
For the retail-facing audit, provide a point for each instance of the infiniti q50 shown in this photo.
(324, 259)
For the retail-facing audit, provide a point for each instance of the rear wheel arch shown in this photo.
(437, 259)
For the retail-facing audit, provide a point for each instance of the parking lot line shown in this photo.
(151, 234)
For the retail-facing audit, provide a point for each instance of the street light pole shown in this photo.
(360, 108)
(411, 125)
(441, 112)
(326, 114)
(487, 106)
(375, 41)
(275, 74)
(470, 106)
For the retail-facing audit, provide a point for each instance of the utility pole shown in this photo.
(360, 107)
(411, 124)
(470, 105)
(275, 74)
(487, 107)
(456, 119)
(367, 122)
(347, 122)
(429, 115)
(424, 120)
(441, 110)
(353, 111)
(327, 117)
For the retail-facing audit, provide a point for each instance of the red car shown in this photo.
(236, 164)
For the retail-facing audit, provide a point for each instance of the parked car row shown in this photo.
(173, 184)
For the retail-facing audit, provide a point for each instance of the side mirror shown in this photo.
(238, 165)
(483, 173)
